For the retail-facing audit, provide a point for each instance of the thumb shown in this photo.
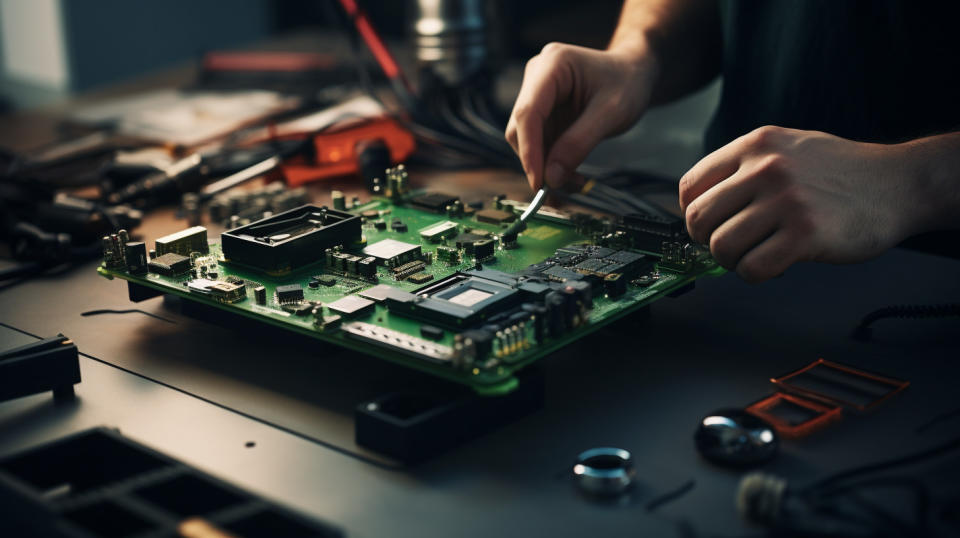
(573, 145)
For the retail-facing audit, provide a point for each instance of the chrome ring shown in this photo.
(604, 471)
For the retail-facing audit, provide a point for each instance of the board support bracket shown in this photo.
(413, 427)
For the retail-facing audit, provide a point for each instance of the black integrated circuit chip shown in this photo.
(169, 264)
(495, 216)
(593, 264)
(420, 278)
(436, 202)
(289, 293)
(483, 249)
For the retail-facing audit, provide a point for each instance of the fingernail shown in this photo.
(555, 174)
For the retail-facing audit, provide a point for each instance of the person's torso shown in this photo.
(872, 70)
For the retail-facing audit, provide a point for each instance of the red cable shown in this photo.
(380, 52)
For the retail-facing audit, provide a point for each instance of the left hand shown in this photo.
(777, 196)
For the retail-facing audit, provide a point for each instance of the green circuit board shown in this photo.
(469, 304)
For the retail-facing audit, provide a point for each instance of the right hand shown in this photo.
(572, 98)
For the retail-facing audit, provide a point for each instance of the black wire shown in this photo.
(942, 417)
(901, 461)
(127, 311)
(475, 156)
(919, 489)
(863, 331)
(472, 115)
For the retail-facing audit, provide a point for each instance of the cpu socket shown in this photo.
(457, 301)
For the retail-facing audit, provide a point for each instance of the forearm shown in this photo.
(682, 37)
(932, 170)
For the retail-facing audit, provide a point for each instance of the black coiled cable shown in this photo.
(863, 331)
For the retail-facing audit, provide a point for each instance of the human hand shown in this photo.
(776, 196)
(572, 98)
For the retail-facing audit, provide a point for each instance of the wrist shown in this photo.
(932, 190)
(636, 50)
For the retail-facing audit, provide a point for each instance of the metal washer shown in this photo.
(604, 471)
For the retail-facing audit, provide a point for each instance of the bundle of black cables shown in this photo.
(463, 127)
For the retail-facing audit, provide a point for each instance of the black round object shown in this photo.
(735, 438)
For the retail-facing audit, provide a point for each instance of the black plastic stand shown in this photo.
(50, 364)
(413, 427)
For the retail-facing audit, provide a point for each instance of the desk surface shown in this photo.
(190, 388)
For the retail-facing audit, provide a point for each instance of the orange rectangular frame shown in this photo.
(764, 407)
(896, 385)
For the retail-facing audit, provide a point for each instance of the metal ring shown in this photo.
(604, 471)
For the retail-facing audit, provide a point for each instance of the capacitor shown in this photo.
(339, 201)
(107, 247)
(136, 256)
(116, 252)
(260, 294)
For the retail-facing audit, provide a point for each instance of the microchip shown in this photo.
(350, 305)
(433, 201)
(391, 250)
(594, 265)
(184, 242)
(571, 250)
(495, 216)
(325, 280)
(449, 255)
(601, 252)
(300, 309)
(439, 231)
(420, 278)
(562, 274)
(169, 264)
(625, 256)
(483, 249)
(431, 332)
(628, 263)
(380, 293)
(289, 293)
(457, 301)
(466, 240)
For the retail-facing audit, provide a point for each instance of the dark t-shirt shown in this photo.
(873, 70)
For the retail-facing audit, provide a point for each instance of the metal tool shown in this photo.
(535, 205)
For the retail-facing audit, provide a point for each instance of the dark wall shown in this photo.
(109, 40)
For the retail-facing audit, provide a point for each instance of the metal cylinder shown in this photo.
(451, 37)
